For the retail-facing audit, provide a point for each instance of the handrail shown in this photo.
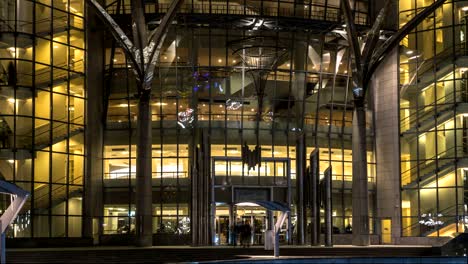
(333, 12)
(78, 23)
(4, 22)
(57, 187)
(447, 211)
(415, 115)
(43, 75)
(55, 131)
(421, 163)
(60, 125)
(428, 64)
(154, 175)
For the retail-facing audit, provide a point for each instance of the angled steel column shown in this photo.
(19, 197)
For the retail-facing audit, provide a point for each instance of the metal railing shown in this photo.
(428, 65)
(443, 158)
(58, 192)
(154, 175)
(59, 132)
(42, 25)
(449, 214)
(43, 76)
(313, 12)
(444, 103)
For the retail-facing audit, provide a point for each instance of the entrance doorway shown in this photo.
(246, 213)
(242, 214)
(256, 217)
(234, 187)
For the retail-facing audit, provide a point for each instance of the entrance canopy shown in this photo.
(269, 205)
(272, 236)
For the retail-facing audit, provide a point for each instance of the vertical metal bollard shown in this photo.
(276, 251)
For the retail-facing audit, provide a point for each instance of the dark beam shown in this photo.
(139, 35)
(156, 40)
(374, 34)
(393, 41)
(352, 35)
(117, 32)
(353, 42)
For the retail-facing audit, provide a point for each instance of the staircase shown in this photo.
(60, 74)
(424, 118)
(424, 75)
(43, 137)
(448, 217)
(428, 169)
(59, 133)
(57, 193)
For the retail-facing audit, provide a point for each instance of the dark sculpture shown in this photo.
(251, 157)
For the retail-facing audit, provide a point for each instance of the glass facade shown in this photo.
(42, 106)
(433, 100)
(204, 84)
(210, 92)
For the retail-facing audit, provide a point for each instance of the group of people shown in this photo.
(243, 231)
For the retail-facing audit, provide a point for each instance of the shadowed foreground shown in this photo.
(196, 254)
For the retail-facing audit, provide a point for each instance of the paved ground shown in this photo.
(195, 254)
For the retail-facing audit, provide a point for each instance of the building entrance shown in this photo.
(229, 232)
(233, 191)
(230, 221)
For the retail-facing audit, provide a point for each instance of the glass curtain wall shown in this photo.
(42, 101)
(433, 100)
(202, 84)
(325, 10)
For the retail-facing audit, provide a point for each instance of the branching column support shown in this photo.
(363, 66)
(143, 53)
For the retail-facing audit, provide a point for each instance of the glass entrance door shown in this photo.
(222, 225)
(254, 216)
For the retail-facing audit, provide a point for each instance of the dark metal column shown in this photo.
(144, 194)
(328, 207)
(300, 174)
(314, 197)
(201, 208)
(360, 195)
(92, 196)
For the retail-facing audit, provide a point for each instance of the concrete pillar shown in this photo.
(143, 197)
(92, 196)
(387, 146)
(359, 187)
